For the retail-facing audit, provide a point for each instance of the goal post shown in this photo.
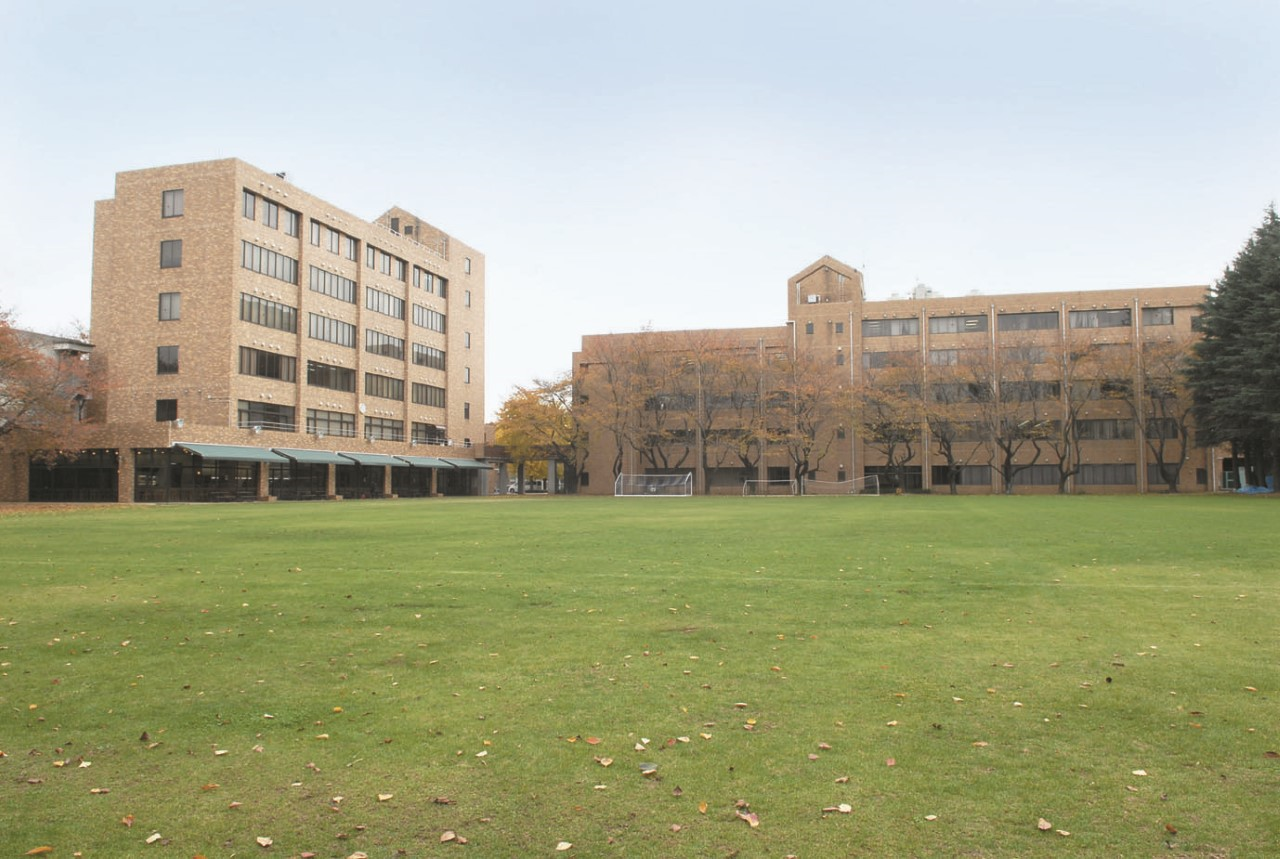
(869, 485)
(653, 485)
(760, 488)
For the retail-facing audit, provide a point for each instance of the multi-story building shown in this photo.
(256, 341)
(1034, 391)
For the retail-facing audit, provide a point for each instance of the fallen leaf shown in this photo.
(604, 762)
(217, 753)
(98, 791)
(263, 841)
(1139, 772)
(702, 808)
(1171, 829)
(982, 744)
(931, 817)
(1064, 833)
(383, 797)
(563, 846)
(844, 779)
(593, 741)
(209, 786)
(448, 835)
(37, 851)
(676, 827)
(752, 819)
(127, 820)
(154, 837)
(890, 762)
(1043, 825)
(1271, 754)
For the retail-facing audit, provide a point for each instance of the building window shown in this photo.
(944, 357)
(166, 360)
(170, 306)
(1104, 429)
(1157, 316)
(466, 298)
(957, 324)
(968, 475)
(250, 204)
(466, 340)
(839, 327)
(267, 416)
(399, 269)
(1121, 318)
(425, 317)
(384, 387)
(428, 434)
(1162, 428)
(331, 330)
(270, 214)
(1037, 475)
(808, 328)
(321, 423)
(1108, 474)
(428, 395)
(466, 264)
(291, 220)
(268, 262)
(268, 365)
(171, 203)
(271, 314)
(315, 233)
(385, 345)
(384, 303)
(1029, 391)
(839, 359)
(428, 356)
(466, 411)
(1045, 321)
(840, 433)
(466, 375)
(335, 241)
(166, 410)
(370, 256)
(384, 428)
(329, 376)
(353, 248)
(171, 253)
(333, 285)
(889, 327)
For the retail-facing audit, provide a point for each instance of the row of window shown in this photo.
(268, 262)
(1036, 321)
(333, 285)
(336, 241)
(320, 422)
(1093, 474)
(434, 283)
(388, 264)
(272, 213)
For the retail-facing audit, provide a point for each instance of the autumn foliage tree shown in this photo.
(538, 423)
(42, 396)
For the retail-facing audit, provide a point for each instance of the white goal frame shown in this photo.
(653, 485)
(869, 485)
(764, 488)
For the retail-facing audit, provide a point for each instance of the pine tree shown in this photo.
(1235, 376)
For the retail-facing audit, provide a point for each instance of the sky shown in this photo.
(667, 165)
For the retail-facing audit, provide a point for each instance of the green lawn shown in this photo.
(364, 677)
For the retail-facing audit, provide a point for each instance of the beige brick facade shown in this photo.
(232, 307)
(829, 318)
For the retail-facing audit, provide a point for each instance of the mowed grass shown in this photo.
(365, 677)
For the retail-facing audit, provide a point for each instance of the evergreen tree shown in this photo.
(1235, 377)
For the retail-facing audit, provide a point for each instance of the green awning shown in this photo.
(374, 459)
(232, 452)
(312, 457)
(467, 463)
(425, 462)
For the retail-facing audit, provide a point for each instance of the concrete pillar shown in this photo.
(264, 484)
(551, 477)
(331, 482)
(386, 481)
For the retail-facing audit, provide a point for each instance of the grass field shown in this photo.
(894, 676)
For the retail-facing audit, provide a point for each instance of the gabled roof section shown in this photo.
(823, 282)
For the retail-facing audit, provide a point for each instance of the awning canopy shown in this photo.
(233, 452)
(425, 462)
(374, 459)
(312, 457)
(467, 463)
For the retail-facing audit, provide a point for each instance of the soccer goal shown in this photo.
(654, 484)
(759, 488)
(869, 485)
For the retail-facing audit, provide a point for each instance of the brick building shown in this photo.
(256, 341)
(1118, 442)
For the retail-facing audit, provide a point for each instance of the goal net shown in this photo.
(756, 488)
(869, 485)
(654, 484)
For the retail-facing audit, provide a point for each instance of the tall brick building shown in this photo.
(830, 322)
(256, 341)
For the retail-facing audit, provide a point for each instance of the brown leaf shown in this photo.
(448, 835)
(37, 851)
(1171, 829)
(127, 820)
(1043, 825)
(263, 841)
(890, 762)
(752, 819)
(702, 808)
(593, 741)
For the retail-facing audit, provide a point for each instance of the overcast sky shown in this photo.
(668, 164)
